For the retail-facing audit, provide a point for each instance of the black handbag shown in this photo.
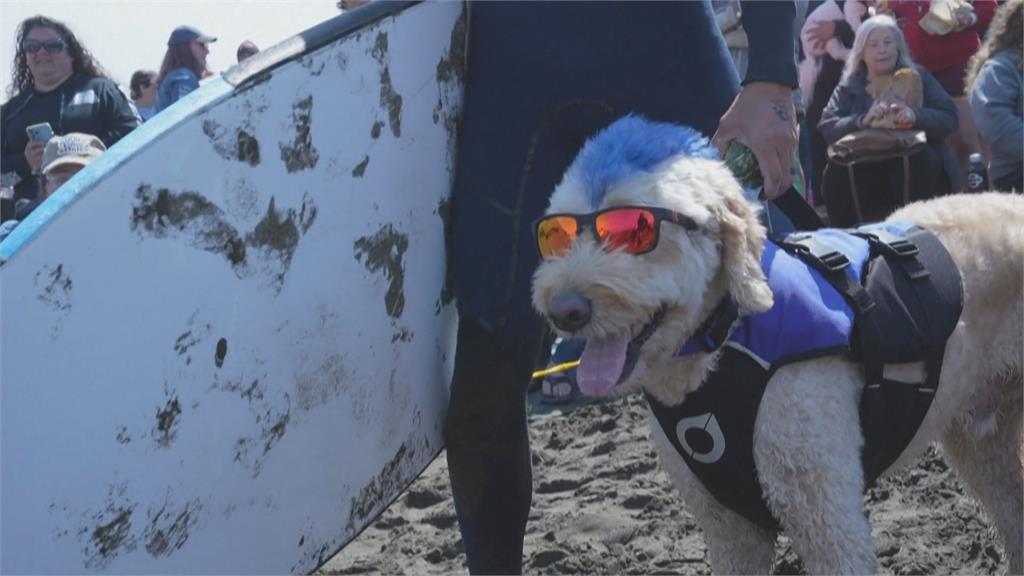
(876, 145)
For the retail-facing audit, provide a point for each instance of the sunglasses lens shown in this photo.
(555, 235)
(51, 46)
(631, 229)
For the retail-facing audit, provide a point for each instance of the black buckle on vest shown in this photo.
(888, 244)
(816, 253)
(902, 248)
(834, 261)
(906, 252)
(831, 263)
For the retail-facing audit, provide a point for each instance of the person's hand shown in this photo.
(34, 155)
(904, 115)
(762, 118)
(820, 32)
(875, 113)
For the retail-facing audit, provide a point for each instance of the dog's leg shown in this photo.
(986, 452)
(735, 546)
(807, 449)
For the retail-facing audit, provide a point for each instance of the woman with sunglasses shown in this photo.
(56, 81)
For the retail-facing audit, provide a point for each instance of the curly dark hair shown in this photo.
(82, 62)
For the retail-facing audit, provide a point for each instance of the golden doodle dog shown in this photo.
(648, 238)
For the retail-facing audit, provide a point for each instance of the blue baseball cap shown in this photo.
(186, 34)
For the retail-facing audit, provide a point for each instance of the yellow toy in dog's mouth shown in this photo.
(607, 362)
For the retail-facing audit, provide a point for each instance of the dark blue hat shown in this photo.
(186, 34)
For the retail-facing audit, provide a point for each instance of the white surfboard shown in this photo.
(227, 344)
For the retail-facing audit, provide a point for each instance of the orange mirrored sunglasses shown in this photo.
(632, 229)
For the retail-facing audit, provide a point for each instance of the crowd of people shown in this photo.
(937, 45)
(971, 95)
(61, 96)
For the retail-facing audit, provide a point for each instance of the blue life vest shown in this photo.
(884, 293)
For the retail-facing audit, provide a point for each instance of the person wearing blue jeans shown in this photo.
(541, 78)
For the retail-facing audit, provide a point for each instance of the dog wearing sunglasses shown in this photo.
(644, 239)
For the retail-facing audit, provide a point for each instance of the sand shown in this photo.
(603, 506)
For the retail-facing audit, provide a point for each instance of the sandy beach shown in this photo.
(603, 506)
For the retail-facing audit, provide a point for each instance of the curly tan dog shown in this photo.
(637, 301)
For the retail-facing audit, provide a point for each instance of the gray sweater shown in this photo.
(997, 107)
(937, 116)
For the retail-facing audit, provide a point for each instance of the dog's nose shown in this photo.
(569, 311)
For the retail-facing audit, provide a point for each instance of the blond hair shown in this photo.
(1004, 33)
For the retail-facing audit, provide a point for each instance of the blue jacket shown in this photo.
(176, 84)
(997, 107)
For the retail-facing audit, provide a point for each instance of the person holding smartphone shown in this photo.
(63, 157)
(56, 82)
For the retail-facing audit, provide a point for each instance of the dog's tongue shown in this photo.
(601, 364)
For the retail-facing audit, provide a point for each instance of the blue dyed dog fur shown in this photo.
(631, 145)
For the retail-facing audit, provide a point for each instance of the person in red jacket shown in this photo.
(946, 57)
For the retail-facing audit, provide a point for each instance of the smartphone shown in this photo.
(39, 132)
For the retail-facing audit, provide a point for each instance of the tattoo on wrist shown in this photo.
(780, 109)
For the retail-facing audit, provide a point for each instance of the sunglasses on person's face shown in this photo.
(52, 46)
(632, 229)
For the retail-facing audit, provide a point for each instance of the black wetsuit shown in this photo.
(543, 77)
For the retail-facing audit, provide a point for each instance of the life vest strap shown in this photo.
(832, 264)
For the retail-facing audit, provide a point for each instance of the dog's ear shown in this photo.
(742, 244)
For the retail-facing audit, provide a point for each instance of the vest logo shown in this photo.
(705, 425)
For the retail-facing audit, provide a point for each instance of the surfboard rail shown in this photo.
(253, 69)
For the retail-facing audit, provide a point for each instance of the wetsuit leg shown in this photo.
(488, 450)
(541, 79)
